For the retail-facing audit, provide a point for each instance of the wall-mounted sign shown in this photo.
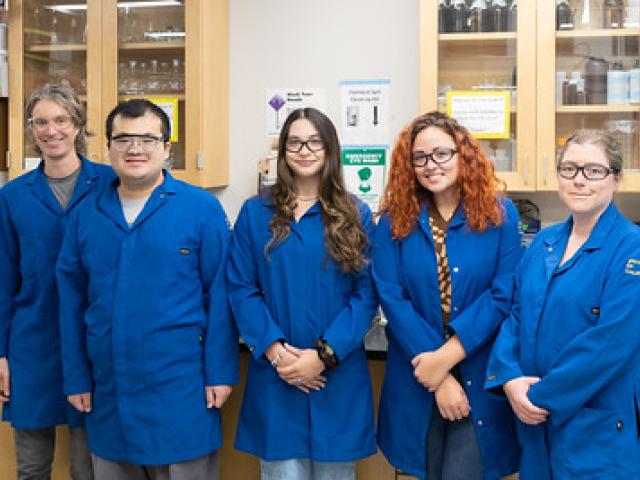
(486, 114)
(280, 102)
(365, 112)
(170, 107)
(364, 171)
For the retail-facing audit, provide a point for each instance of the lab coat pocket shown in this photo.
(180, 260)
(589, 444)
(174, 358)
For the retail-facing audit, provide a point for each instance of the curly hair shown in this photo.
(344, 236)
(477, 181)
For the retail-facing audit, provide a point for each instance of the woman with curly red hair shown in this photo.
(445, 252)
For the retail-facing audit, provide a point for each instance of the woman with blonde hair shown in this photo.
(445, 252)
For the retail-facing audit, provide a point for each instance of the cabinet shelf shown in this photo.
(602, 32)
(598, 109)
(179, 96)
(173, 45)
(475, 37)
(70, 47)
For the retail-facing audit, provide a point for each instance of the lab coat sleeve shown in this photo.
(257, 326)
(478, 323)
(504, 364)
(347, 330)
(413, 332)
(72, 288)
(221, 344)
(597, 355)
(9, 273)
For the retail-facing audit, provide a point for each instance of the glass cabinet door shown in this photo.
(151, 63)
(54, 40)
(591, 73)
(485, 46)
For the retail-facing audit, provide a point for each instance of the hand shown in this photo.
(516, 391)
(217, 395)
(451, 399)
(431, 368)
(81, 401)
(304, 371)
(5, 385)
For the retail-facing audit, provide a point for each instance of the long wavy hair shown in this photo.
(477, 181)
(344, 237)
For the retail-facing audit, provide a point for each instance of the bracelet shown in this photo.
(279, 356)
(327, 355)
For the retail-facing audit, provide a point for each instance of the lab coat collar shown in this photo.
(599, 234)
(86, 178)
(111, 206)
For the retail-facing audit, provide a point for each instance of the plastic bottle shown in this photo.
(617, 85)
(634, 83)
(498, 15)
(459, 14)
(444, 16)
(479, 19)
(596, 81)
(612, 14)
(512, 17)
(589, 15)
(564, 15)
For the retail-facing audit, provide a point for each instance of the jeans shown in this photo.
(34, 453)
(305, 469)
(452, 449)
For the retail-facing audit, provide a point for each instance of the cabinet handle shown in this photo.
(545, 161)
(7, 159)
(200, 161)
(526, 169)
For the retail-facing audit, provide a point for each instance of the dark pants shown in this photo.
(34, 453)
(452, 449)
(201, 468)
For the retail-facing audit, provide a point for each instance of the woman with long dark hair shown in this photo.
(445, 252)
(303, 298)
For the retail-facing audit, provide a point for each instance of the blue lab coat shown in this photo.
(482, 267)
(145, 323)
(299, 295)
(577, 327)
(32, 225)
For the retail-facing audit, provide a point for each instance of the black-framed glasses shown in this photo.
(294, 145)
(123, 143)
(438, 155)
(590, 171)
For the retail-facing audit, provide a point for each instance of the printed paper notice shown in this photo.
(170, 107)
(485, 114)
(280, 102)
(365, 112)
(364, 171)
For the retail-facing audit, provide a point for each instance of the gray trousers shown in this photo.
(201, 468)
(34, 453)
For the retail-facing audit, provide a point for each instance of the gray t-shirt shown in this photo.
(63, 188)
(131, 208)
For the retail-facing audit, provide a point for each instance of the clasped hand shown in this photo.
(301, 368)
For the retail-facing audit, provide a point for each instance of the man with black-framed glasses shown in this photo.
(34, 210)
(150, 350)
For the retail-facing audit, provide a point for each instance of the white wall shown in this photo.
(312, 43)
(317, 43)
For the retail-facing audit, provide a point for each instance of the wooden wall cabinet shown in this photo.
(529, 61)
(108, 51)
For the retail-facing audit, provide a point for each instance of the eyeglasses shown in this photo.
(590, 171)
(61, 122)
(439, 156)
(123, 143)
(294, 145)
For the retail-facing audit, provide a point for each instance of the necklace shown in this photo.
(306, 198)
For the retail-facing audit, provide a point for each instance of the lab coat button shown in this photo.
(252, 348)
(619, 425)
(455, 309)
(162, 195)
(201, 338)
(468, 383)
(455, 269)
(479, 422)
(549, 249)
